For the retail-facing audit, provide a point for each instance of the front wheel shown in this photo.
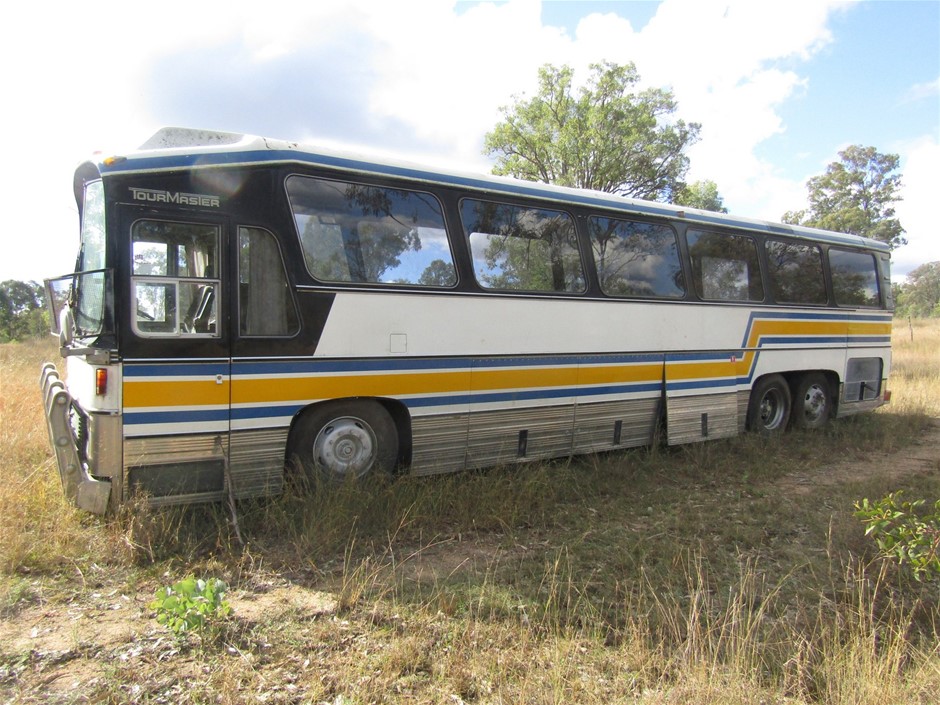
(343, 440)
(768, 409)
(812, 401)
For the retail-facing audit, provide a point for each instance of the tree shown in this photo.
(855, 195)
(920, 295)
(21, 310)
(701, 194)
(608, 136)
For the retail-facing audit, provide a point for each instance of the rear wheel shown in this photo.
(812, 401)
(768, 410)
(343, 440)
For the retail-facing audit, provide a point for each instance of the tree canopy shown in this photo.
(920, 295)
(856, 195)
(21, 310)
(607, 135)
(701, 194)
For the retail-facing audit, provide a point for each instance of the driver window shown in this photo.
(175, 285)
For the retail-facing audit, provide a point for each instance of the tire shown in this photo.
(768, 410)
(345, 440)
(812, 401)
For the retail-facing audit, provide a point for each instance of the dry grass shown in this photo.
(730, 572)
(915, 373)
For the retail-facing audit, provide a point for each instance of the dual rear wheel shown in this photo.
(774, 405)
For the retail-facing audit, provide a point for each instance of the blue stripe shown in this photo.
(704, 356)
(145, 417)
(188, 369)
(702, 384)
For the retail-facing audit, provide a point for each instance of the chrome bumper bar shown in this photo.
(80, 488)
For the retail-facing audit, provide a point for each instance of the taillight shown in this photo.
(101, 381)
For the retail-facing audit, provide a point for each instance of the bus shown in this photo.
(243, 308)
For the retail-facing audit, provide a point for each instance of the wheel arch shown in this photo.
(393, 407)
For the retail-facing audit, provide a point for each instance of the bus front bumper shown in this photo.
(81, 489)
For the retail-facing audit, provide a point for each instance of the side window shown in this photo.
(725, 267)
(520, 248)
(635, 258)
(796, 273)
(174, 282)
(854, 278)
(371, 235)
(265, 304)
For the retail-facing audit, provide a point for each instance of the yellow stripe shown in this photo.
(186, 393)
(142, 394)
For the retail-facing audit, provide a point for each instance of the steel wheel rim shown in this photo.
(814, 403)
(771, 409)
(345, 447)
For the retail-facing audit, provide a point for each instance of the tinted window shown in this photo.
(635, 258)
(520, 248)
(369, 234)
(854, 278)
(795, 273)
(725, 267)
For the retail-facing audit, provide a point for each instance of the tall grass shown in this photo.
(915, 372)
(726, 572)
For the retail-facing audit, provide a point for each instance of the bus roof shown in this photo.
(175, 148)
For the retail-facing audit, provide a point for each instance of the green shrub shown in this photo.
(191, 604)
(904, 531)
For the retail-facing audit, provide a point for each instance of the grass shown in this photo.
(728, 572)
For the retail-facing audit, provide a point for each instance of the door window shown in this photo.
(175, 281)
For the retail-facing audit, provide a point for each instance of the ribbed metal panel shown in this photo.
(257, 462)
(596, 424)
(744, 397)
(494, 435)
(440, 444)
(173, 449)
(685, 417)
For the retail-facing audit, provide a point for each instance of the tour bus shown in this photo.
(243, 308)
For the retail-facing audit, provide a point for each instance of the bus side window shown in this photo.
(725, 267)
(265, 304)
(634, 258)
(854, 278)
(796, 273)
(362, 234)
(522, 248)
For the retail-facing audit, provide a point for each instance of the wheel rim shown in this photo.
(772, 409)
(814, 403)
(345, 447)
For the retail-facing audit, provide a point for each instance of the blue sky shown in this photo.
(778, 86)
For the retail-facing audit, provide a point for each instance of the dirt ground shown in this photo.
(98, 627)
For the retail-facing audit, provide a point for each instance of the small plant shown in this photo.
(191, 604)
(903, 531)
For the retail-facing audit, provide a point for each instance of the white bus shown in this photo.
(241, 303)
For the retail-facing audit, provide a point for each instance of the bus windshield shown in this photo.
(91, 281)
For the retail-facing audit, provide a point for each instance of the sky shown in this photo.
(778, 86)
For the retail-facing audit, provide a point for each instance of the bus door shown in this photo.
(273, 375)
(176, 354)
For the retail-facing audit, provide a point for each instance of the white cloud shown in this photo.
(432, 72)
(920, 164)
(922, 91)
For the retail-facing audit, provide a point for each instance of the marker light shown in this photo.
(101, 381)
(110, 161)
